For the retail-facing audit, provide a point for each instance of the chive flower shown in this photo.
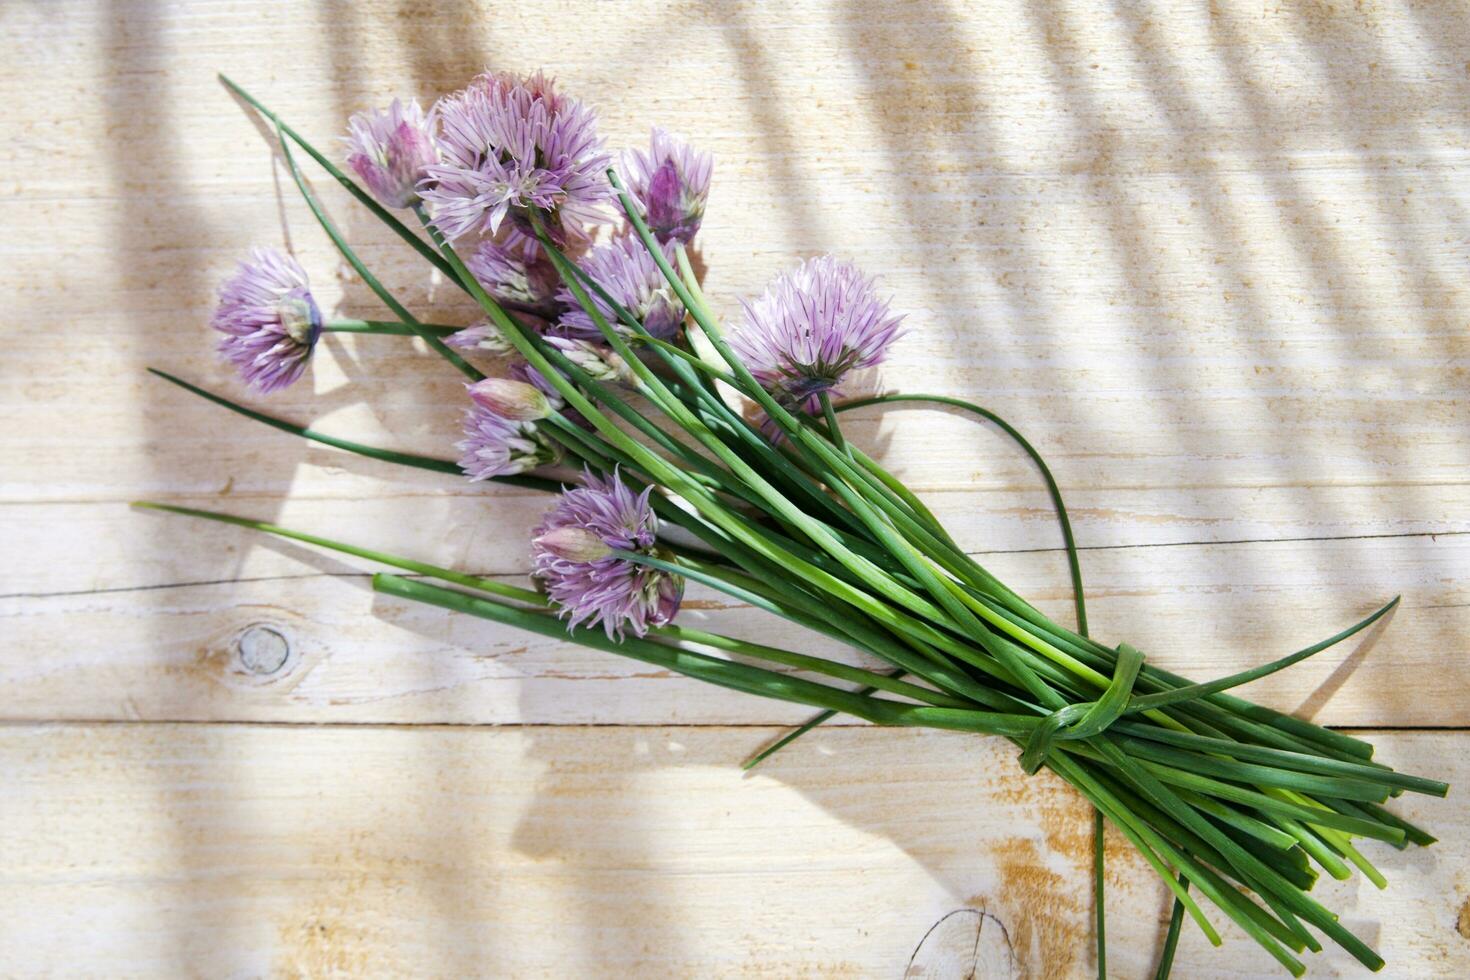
(515, 270)
(521, 370)
(484, 337)
(630, 275)
(572, 555)
(509, 144)
(601, 363)
(391, 150)
(518, 401)
(269, 320)
(670, 182)
(813, 326)
(494, 445)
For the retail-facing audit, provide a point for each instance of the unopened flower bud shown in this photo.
(573, 544)
(664, 593)
(514, 400)
(391, 149)
(671, 181)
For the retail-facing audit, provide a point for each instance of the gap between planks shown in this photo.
(410, 492)
(846, 723)
(203, 583)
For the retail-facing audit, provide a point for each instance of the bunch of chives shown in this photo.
(1224, 798)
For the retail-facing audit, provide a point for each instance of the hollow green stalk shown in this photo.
(388, 327)
(427, 336)
(372, 452)
(476, 582)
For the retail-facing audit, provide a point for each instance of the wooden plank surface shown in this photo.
(164, 641)
(1210, 259)
(252, 850)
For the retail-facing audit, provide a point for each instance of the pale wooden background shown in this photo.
(1211, 259)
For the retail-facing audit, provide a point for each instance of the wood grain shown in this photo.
(169, 648)
(1210, 259)
(226, 850)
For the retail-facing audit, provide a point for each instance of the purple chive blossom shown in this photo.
(391, 150)
(813, 326)
(630, 275)
(269, 320)
(590, 585)
(602, 363)
(540, 87)
(516, 270)
(509, 144)
(485, 337)
(497, 446)
(670, 182)
(481, 337)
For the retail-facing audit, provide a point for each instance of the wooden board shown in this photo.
(253, 850)
(172, 646)
(1209, 259)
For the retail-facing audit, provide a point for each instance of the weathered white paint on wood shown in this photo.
(1211, 260)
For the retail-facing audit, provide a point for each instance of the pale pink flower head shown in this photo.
(392, 149)
(813, 326)
(497, 446)
(537, 83)
(519, 401)
(632, 278)
(516, 270)
(269, 320)
(590, 585)
(600, 361)
(670, 182)
(522, 371)
(510, 144)
(485, 337)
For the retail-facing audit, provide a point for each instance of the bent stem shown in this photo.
(357, 448)
(399, 310)
(383, 558)
(363, 197)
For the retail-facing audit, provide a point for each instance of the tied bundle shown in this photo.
(684, 454)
